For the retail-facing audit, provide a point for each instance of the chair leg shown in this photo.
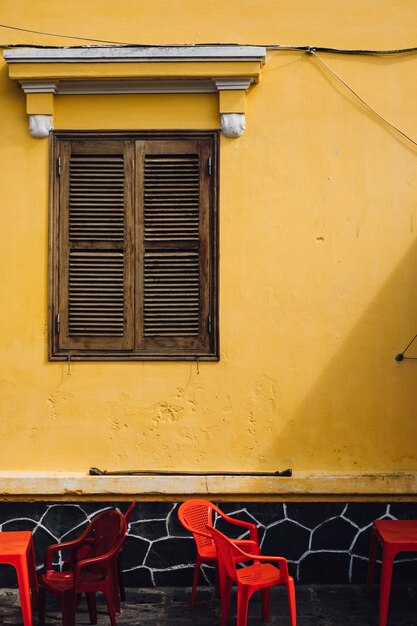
(225, 599)
(122, 590)
(291, 600)
(373, 550)
(41, 605)
(384, 593)
(33, 581)
(195, 581)
(92, 606)
(68, 608)
(114, 583)
(265, 603)
(109, 595)
(242, 605)
(24, 590)
(217, 582)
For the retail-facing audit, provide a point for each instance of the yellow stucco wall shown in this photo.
(318, 254)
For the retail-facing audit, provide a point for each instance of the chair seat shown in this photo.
(259, 574)
(55, 582)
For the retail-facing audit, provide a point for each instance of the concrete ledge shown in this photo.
(301, 486)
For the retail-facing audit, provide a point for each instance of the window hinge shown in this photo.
(57, 324)
(58, 166)
(209, 166)
(209, 326)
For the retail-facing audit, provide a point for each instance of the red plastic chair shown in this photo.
(250, 578)
(197, 517)
(89, 575)
(86, 550)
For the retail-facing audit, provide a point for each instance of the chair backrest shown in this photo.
(196, 516)
(109, 530)
(225, 552)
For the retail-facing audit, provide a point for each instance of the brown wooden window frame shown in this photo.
(155, 270)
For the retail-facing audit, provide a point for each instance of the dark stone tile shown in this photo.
(21, 510)
(62, 520)
(170, 552)
(152, 510)
(404, 571)
(364, 513)
(362, 542)
(21, 524)
(134, 552)
(335, 534)
(139, 577)
(311, 514)
(324, 567)
(175, 528)
(360, 570)
(8, 577)
(175, 578)
(286, 539)
(266, 512)
(404, 510)
(151, 530)
(41, 540)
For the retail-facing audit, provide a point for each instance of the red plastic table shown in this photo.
(394, 536)
(16, 549)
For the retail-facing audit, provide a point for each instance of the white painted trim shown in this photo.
(136, 54)
(241, 84)
(40, 126)
(125, 86)
(38, 86)
(232, 124)
(301, 485)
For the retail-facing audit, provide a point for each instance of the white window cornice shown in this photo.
(229, 70)
(137, 54)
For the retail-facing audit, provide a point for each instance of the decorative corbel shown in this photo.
(232, 124)
(40, 126)
(232, 105)
(39, 107)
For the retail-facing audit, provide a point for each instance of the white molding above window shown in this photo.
(229, 70)
(136, 54)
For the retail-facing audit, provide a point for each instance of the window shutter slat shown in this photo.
(171, 294)
(96, 293)
(96, 197)
(171, 197)
(96, 256)
(174, 266)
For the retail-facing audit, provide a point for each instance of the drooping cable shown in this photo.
(365, 104)
(41, 32)
(400, 356)
(353, 51)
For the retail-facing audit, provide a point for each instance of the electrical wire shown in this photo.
(365, 104)
(400, 357)
(352, 51)
(41, 32)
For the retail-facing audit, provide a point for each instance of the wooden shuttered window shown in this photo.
(133, 236)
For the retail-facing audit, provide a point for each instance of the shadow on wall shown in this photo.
(359, 414)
